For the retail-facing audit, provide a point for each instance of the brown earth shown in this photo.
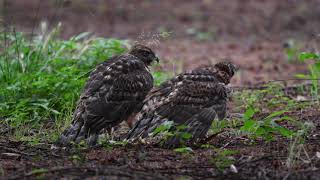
(251, 33)
(252, 160)
(240, 19)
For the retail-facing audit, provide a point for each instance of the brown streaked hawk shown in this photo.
(114, 93)
(190, 101)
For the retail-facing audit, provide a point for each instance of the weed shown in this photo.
(169, 130)
(292, 48)
(160, 77)
(268, 124)
(110, 144)
(77, 159)
(39, 171)
(41, 79)
(296, 147)
(223, 158)
(163, 128)
(207, 146)
(266, 127)
(314, 71)
(218, 126)
(183, 150)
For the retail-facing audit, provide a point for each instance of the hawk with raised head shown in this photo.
(114, 93)
(190, 101)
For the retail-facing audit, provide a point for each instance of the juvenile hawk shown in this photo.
(114, 92)
(190, 100)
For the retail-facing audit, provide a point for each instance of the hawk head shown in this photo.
(225, 71)
(144, 53)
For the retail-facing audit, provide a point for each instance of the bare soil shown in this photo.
(251, 33)
(253, 160)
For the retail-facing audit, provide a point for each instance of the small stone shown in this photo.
(301, 98)
(233, 168)
(10, 155)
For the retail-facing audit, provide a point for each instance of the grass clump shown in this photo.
(314, 71)
(41, 79)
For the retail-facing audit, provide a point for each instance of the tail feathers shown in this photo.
(197, 127)
(142, 128)
(135, 132)
(72, 134)
(92, 139)
(197, 130)
(76, 133)
(146, 129)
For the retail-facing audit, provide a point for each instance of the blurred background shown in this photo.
(46, 56)
(261, 36)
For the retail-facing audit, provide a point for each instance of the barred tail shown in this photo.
(144, 127)
(197, 126)
(74, 133)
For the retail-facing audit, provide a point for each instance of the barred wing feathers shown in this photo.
(114, 91)
(192, 99)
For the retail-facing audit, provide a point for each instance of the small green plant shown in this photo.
(218, 126)
(77, 159)
(266, 110)
(110, 144)
(183, 150)
(267, 127)
(160, 77)
(296, 148)
(314, 71)
(163, 128)
(207, 146)
(39, 171)
(181, 134)
(292, 48)
(224, 158)
(169, 130)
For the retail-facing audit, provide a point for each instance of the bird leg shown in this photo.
(131, 120)
(109, 131)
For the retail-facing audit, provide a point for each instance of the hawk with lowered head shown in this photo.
(191, 101)
(114, 93)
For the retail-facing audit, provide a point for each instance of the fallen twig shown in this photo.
(16, 151)
(91, 171)
(209, 138)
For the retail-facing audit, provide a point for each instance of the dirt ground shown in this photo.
(253, 34)
(253, 160)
